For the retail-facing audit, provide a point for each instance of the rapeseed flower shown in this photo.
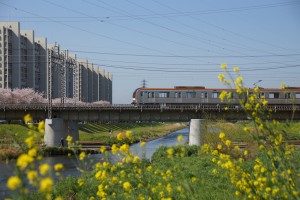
(14, 182)
(24, 160)
(46, 185)
(44, 169)
(58, 167)
(127, 186)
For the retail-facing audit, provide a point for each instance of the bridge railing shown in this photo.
(136, 107)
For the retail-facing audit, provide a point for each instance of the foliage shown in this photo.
(274, 175)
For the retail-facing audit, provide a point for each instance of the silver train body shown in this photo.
(181, 95)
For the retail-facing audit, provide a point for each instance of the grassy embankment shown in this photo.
(12, 136)
(187, 174)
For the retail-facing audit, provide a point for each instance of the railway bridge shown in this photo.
(128, 112)
(62, 120)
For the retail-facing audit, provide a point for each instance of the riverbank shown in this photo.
(12, 136)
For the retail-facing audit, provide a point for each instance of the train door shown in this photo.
(178, 97)
(204, 97)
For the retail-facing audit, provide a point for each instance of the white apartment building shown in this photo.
(27, 61)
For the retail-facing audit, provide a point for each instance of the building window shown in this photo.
(215, 95)
(163, 95)
(274, 95)
(297, 95)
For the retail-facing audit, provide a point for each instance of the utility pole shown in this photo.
(49, 93)
(144, 83)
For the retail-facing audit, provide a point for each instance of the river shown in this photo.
(71, 163)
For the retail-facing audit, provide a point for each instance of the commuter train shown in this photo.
(199, 95)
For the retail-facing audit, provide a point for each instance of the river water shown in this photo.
(71, 164)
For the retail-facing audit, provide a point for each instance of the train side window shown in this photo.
(163, 95)
(191, 94)
(297, 95)
(215, 95)
(287, 95)
(274, 95)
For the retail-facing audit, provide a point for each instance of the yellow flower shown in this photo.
(41, 127)
(46, 185)
(32, 152)
(224, 66)
(24, 160)
(282, 85)
(44, 168)
(238, 80)
(193, 179)
(221, 77)
(31, 176)
(142, 144)
(265, 103)
(228, 143)
(214, 171)
(102, 149)
(221, 135)
(236, 69)
(27, 118)
(69, 139)
(256, 89)
(128, 134)
(114, 149)
(170, 151)
(29, 141)
(126, 186)
(223, 95)
(169, 188)
(179, 138)
(136, 159)
(82, 155)
(58, 167)
(80, 182)
(219, 146)
(58, 198)
(245, 152)
(125, 148)
(14, 182)
(120, 136)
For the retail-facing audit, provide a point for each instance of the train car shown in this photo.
(187, 95)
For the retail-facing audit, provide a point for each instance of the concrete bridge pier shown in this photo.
(57, 128)
(197, 130)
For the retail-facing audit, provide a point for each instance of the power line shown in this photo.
(184, 56)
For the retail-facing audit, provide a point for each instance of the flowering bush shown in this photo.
(272, 174)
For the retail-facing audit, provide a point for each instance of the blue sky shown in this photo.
(170, 42)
